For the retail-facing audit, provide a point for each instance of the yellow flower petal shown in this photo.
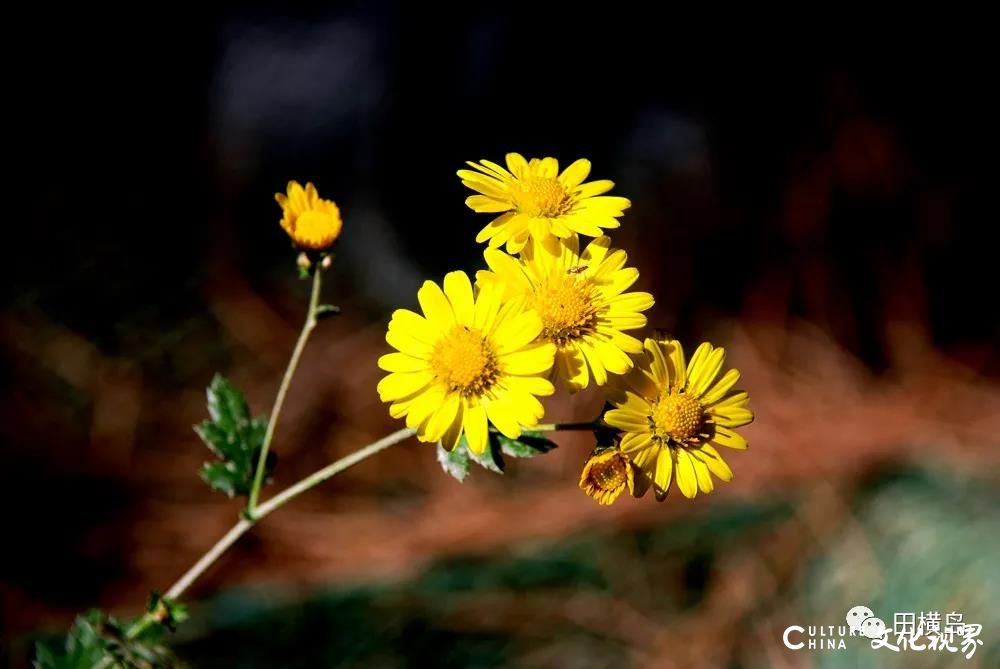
(526, 408)
(405, 342)
(594, 361)
(676, 364)
(687, 478)
(731, 416)
(441, 420)
(594, 188)
(400, 362)
(476, 428)
(484, 204)
(664, 469)
(630, 302)
(702, 474)
(495, 227)
(574, 175)
(415, 326)
(738, 399)
(487, 306)
(517, 165)
(613, 358)
(533, 359)
(701, 376)
(517, 332)
(629, 421)
(714, 461)
(502, 415)
(620, 281)
(634, 403)
(422, 405)
(449, 440)
(657, 363)
(725, 437)
(535, 385)
(571, 366)
(721, 387)
(399, 385)
(435, 305)
(634, 443)
(458, 290)
(508, 270)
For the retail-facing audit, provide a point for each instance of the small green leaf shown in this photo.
(235, 437)
(528, 445)
(326, 310)
(456, 462)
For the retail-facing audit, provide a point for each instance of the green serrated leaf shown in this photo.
(491, 459)
(234, 436)
(528, 445)
(456, 462)
(221, 476)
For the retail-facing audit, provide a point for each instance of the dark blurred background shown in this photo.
(818, 202)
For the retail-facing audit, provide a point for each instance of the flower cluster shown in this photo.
(548, 310)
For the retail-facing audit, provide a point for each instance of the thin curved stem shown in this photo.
(279, 400)
(276, 502)
(208, 559)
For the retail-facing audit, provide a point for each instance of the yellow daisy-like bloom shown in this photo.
(606, 475)
(313, 223)
(467, 360)
(535, 200)
(581, 300)
(673, 415)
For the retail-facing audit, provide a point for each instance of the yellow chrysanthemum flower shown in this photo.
(581, 300)
(466, 361)
(606, 475)
(535, 200)
(313, 223)
(673, 415)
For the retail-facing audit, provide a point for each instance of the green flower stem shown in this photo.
(276, 502)
(559, 427)
(279, 401)
(139, 626)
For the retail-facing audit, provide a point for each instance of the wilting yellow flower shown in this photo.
(606, 475)
(673, 415)
(465, 361)
(535, 200)
(581, 300)
(313, 223)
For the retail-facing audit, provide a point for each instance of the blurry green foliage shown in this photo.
(100, 641)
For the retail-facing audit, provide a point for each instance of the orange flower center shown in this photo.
(567, 307)
(677, 416)
(609, 474)
(465, 361)
(542, 197)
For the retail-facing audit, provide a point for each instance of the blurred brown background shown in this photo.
(823, 212)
